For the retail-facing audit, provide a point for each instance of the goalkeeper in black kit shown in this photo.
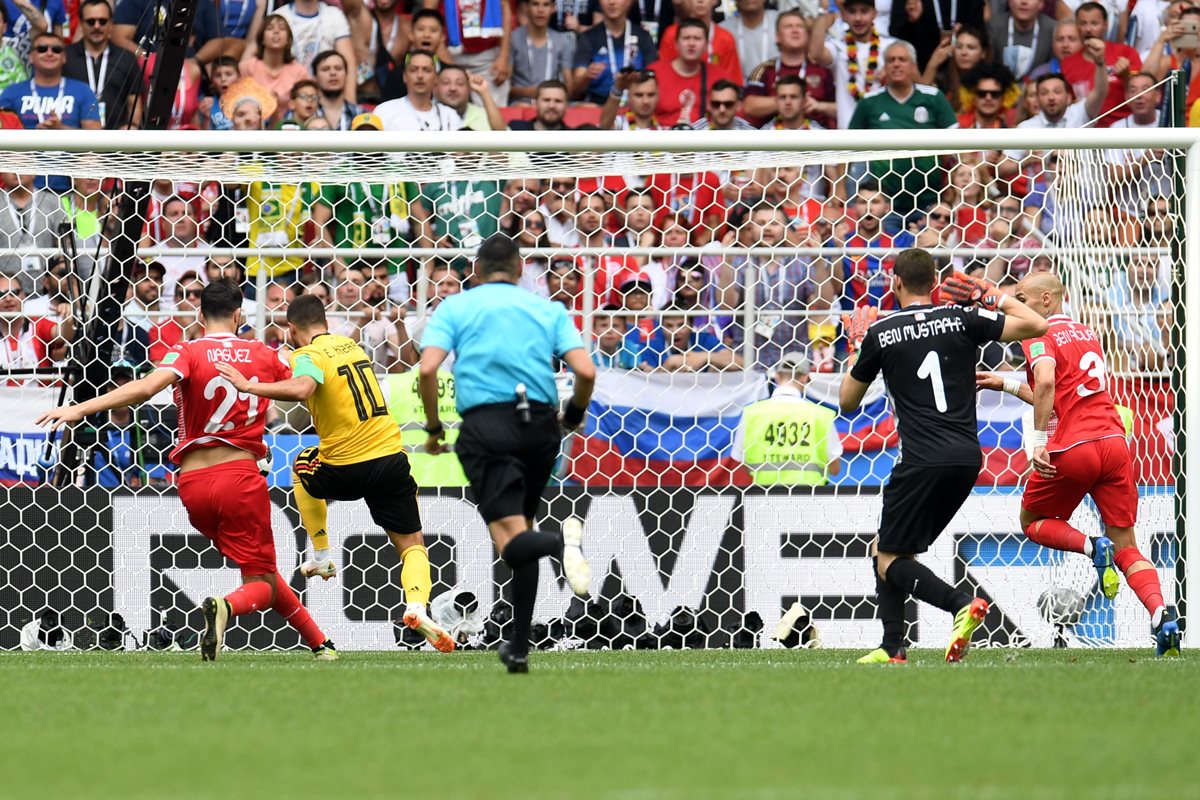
(927, 355)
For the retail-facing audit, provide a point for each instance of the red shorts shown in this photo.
(229, 504)
(1100, 468)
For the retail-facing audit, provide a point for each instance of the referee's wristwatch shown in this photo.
(434, 430)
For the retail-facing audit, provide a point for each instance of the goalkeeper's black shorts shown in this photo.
(508, 461)
(919, 502)
(385, 483)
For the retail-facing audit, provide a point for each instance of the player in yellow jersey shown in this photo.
(361, 455)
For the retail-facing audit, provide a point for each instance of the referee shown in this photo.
(504, 340)
(927, 355)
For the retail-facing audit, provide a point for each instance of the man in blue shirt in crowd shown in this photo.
(51, 102)
(605, 49)
(505, 339)
(674, 345)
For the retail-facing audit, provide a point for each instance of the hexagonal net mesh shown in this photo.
(692, 276)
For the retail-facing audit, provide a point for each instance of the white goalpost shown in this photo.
(756, 241)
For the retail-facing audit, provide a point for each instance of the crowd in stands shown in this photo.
(443, 65)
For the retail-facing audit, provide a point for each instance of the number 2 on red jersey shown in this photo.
(220, 420)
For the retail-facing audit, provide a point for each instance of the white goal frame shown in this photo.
(15, 146)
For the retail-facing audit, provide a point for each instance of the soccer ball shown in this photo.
(1061, 606)
(264, 463)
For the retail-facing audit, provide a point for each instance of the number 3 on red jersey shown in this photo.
(1083, 409)
(1096, 374)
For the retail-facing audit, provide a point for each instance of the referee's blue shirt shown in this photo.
(501, 335)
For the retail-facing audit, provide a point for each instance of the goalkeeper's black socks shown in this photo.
(912, 577)
(891, 612)
(530, 546)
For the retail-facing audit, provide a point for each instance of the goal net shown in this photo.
(695, 264)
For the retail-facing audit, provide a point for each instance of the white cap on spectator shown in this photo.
(794, 364)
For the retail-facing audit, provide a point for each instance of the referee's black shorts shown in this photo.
(919, 502)
(508, 461)
(385, 483)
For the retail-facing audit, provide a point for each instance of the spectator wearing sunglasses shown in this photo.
(185, 326)
(988, 97)
(724, 104)
(111, 72)
(50, 101)
(940, 230)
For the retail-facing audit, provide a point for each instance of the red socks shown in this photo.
(252, 596)
(289, 607)
(256, 595)
(1144, 582)
(1057, 535)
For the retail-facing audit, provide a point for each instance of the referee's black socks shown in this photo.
(891, 611)
(530, 546)
(912, 577)
(522, 554)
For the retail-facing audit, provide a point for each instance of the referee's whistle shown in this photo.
(523, 404)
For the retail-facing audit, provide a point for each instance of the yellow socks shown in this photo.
(314, 513)
(414, 575)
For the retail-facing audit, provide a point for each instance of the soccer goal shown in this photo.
(695, 263)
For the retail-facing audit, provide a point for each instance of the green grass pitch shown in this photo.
(743, 724)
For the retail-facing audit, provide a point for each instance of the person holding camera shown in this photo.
(1177, 42)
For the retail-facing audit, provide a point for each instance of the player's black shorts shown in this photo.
(508, 461)
(385, 483)
(919, 502)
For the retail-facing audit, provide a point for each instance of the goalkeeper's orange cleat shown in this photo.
(966, 621)
(418, 620)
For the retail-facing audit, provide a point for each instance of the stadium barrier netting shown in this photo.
(693, 264)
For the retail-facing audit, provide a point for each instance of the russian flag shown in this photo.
(664, 429)
(677, 429)
(673, 429)
(1002, 420)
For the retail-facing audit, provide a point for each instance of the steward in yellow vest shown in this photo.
(404, 405)
(787, 439)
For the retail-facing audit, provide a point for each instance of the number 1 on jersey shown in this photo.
(931, 368)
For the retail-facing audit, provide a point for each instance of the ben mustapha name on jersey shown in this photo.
(913, 331)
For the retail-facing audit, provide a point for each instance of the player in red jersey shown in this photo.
(219, 441)
(1080, 448)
